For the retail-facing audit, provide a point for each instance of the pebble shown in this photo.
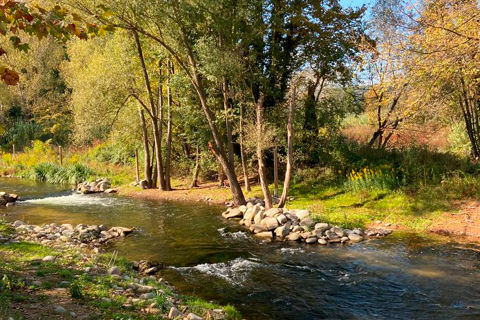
(60, 310)
(114, 270)
(48, 259)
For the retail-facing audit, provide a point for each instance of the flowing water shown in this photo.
(403, 276)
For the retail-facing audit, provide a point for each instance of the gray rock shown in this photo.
(259, 217)
(311, 240)
(295, 236)
(322, 226)
(339, 231)
(307, 223)
(174, 313)
(60, 310)
(322, 241)
(256, 228)
(264, 235)
(193, 316)
(234, 213)
(344, 239)
(269, 223)
(148, 295)
(273, 212)
(297, 229)
(301, 214)
(114, 270)
(282, 219)
(250, 213)
(355, 237)
(18, 223)
(283, 231)
(49, 259)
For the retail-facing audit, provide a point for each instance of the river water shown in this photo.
(404, 276)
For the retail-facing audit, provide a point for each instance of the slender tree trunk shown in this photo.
(275, 172)
(242, 153)
(157, 129)
(146, 149)
(228, 125)
(137, 167)
(218, 149)
(261, 163)
(221, 176)
(154, 168)
(168, 153)
(194, 183)
(290, 136)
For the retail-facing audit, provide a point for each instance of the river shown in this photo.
(403, 276)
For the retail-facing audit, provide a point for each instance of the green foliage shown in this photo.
(76, 290)
(382, 178)
(116, 153)
(458, 138)
(53, 173)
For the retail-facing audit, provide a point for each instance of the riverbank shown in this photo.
(50, 276)
(397, 210)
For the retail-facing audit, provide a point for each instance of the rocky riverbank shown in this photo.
(295, 225)
(100, 185)
(98, 286)
(8, 199)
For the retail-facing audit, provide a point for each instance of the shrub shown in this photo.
(76, 290)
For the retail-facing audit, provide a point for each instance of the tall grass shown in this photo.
(53, 173)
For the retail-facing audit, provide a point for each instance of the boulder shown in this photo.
(256, 228)
(311, 240)
(234, 213)
(282, 231)
(322, 226)
(282, 219)
(174, 313)
(193, 316)
(264, 235)
(114, 270)
(259, 216)
(355, 237)
(294, 236)
(270, 223)
(322, 241)
(273, 212)
(251, 212)
(143, 184)
(110, 190)
(307, 223)
(301, 214)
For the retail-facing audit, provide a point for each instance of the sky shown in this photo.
(355, 3)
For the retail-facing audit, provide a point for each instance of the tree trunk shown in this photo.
(290, 135)
(168, 153)
(261, 163)
(146, 149)
(157, 129)
(221, 176)
(194, 183)
(218, 149)
(275, 172)
(242, 153)
(228, 125)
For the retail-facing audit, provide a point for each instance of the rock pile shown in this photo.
(7, 199)
(97, 186)
(294, 225)
(81, 235)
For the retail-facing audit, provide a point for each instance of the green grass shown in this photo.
(337, 204)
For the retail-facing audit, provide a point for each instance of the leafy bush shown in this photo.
(76, 290)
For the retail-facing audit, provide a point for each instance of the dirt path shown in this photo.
(465, 223)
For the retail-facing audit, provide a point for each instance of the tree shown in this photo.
(444, 61)
(18, 18)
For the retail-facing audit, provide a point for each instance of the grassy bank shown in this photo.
(77, 282)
